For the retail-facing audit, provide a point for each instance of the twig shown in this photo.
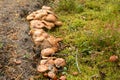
(77, 62)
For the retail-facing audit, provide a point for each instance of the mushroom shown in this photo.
(75, 73)
(50, 61)
(54, 41)
(42, 68)
(43, 62)
(63, 78)
(38, 35)
(17, 61)
(60, 62)
(45, 74)
(36, 24)
(36, 32)
(113, 58)
(48, 25)
(45, 53)
(58, 23)
(40, 14)
(51, 18)
(46, 8)
(52, 75)
(30, 16)
(37, 14)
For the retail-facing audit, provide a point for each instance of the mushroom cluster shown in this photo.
(40, 19)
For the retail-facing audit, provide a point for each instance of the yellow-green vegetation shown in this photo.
(91, 30)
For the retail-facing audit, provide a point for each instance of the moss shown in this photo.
(94, 32)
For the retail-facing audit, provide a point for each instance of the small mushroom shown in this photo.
(113, 58)
(45, 74)
(38, 35)
(30, 17)
(48, 51)
(43, 62)
(63, 77)
(54, 69)
(60, 62)
(48, 25)
(40, 14)
(58, 23)
(17, 61)
(39, 39)
(54, 41)
(46, 8)
(51, 18)
(42, 68)
(50, 61)
(36, 24)
(36, 32)
(75, 73)
(45, 35)
(52, 75)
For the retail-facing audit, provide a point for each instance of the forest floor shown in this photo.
(90, 33)
(15, 44)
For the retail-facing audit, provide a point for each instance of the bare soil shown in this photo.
(15, 42)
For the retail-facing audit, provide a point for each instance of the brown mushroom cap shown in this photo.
(52, 75)
(36, 24)
(50, 62)
(58, 23)
(42, 68)
(48, 25)
(30, 17)
(43, 62)
(46, 8)
(63, 78)
(45, 35)
(47, 52)
(54, 41)
(51, 18)
(36, 32)
(60, 62)
(113, 58)
(38, 35)
(40, 14)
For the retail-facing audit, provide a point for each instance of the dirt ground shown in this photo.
(14, 40)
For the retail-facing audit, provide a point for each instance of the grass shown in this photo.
(92, 28)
